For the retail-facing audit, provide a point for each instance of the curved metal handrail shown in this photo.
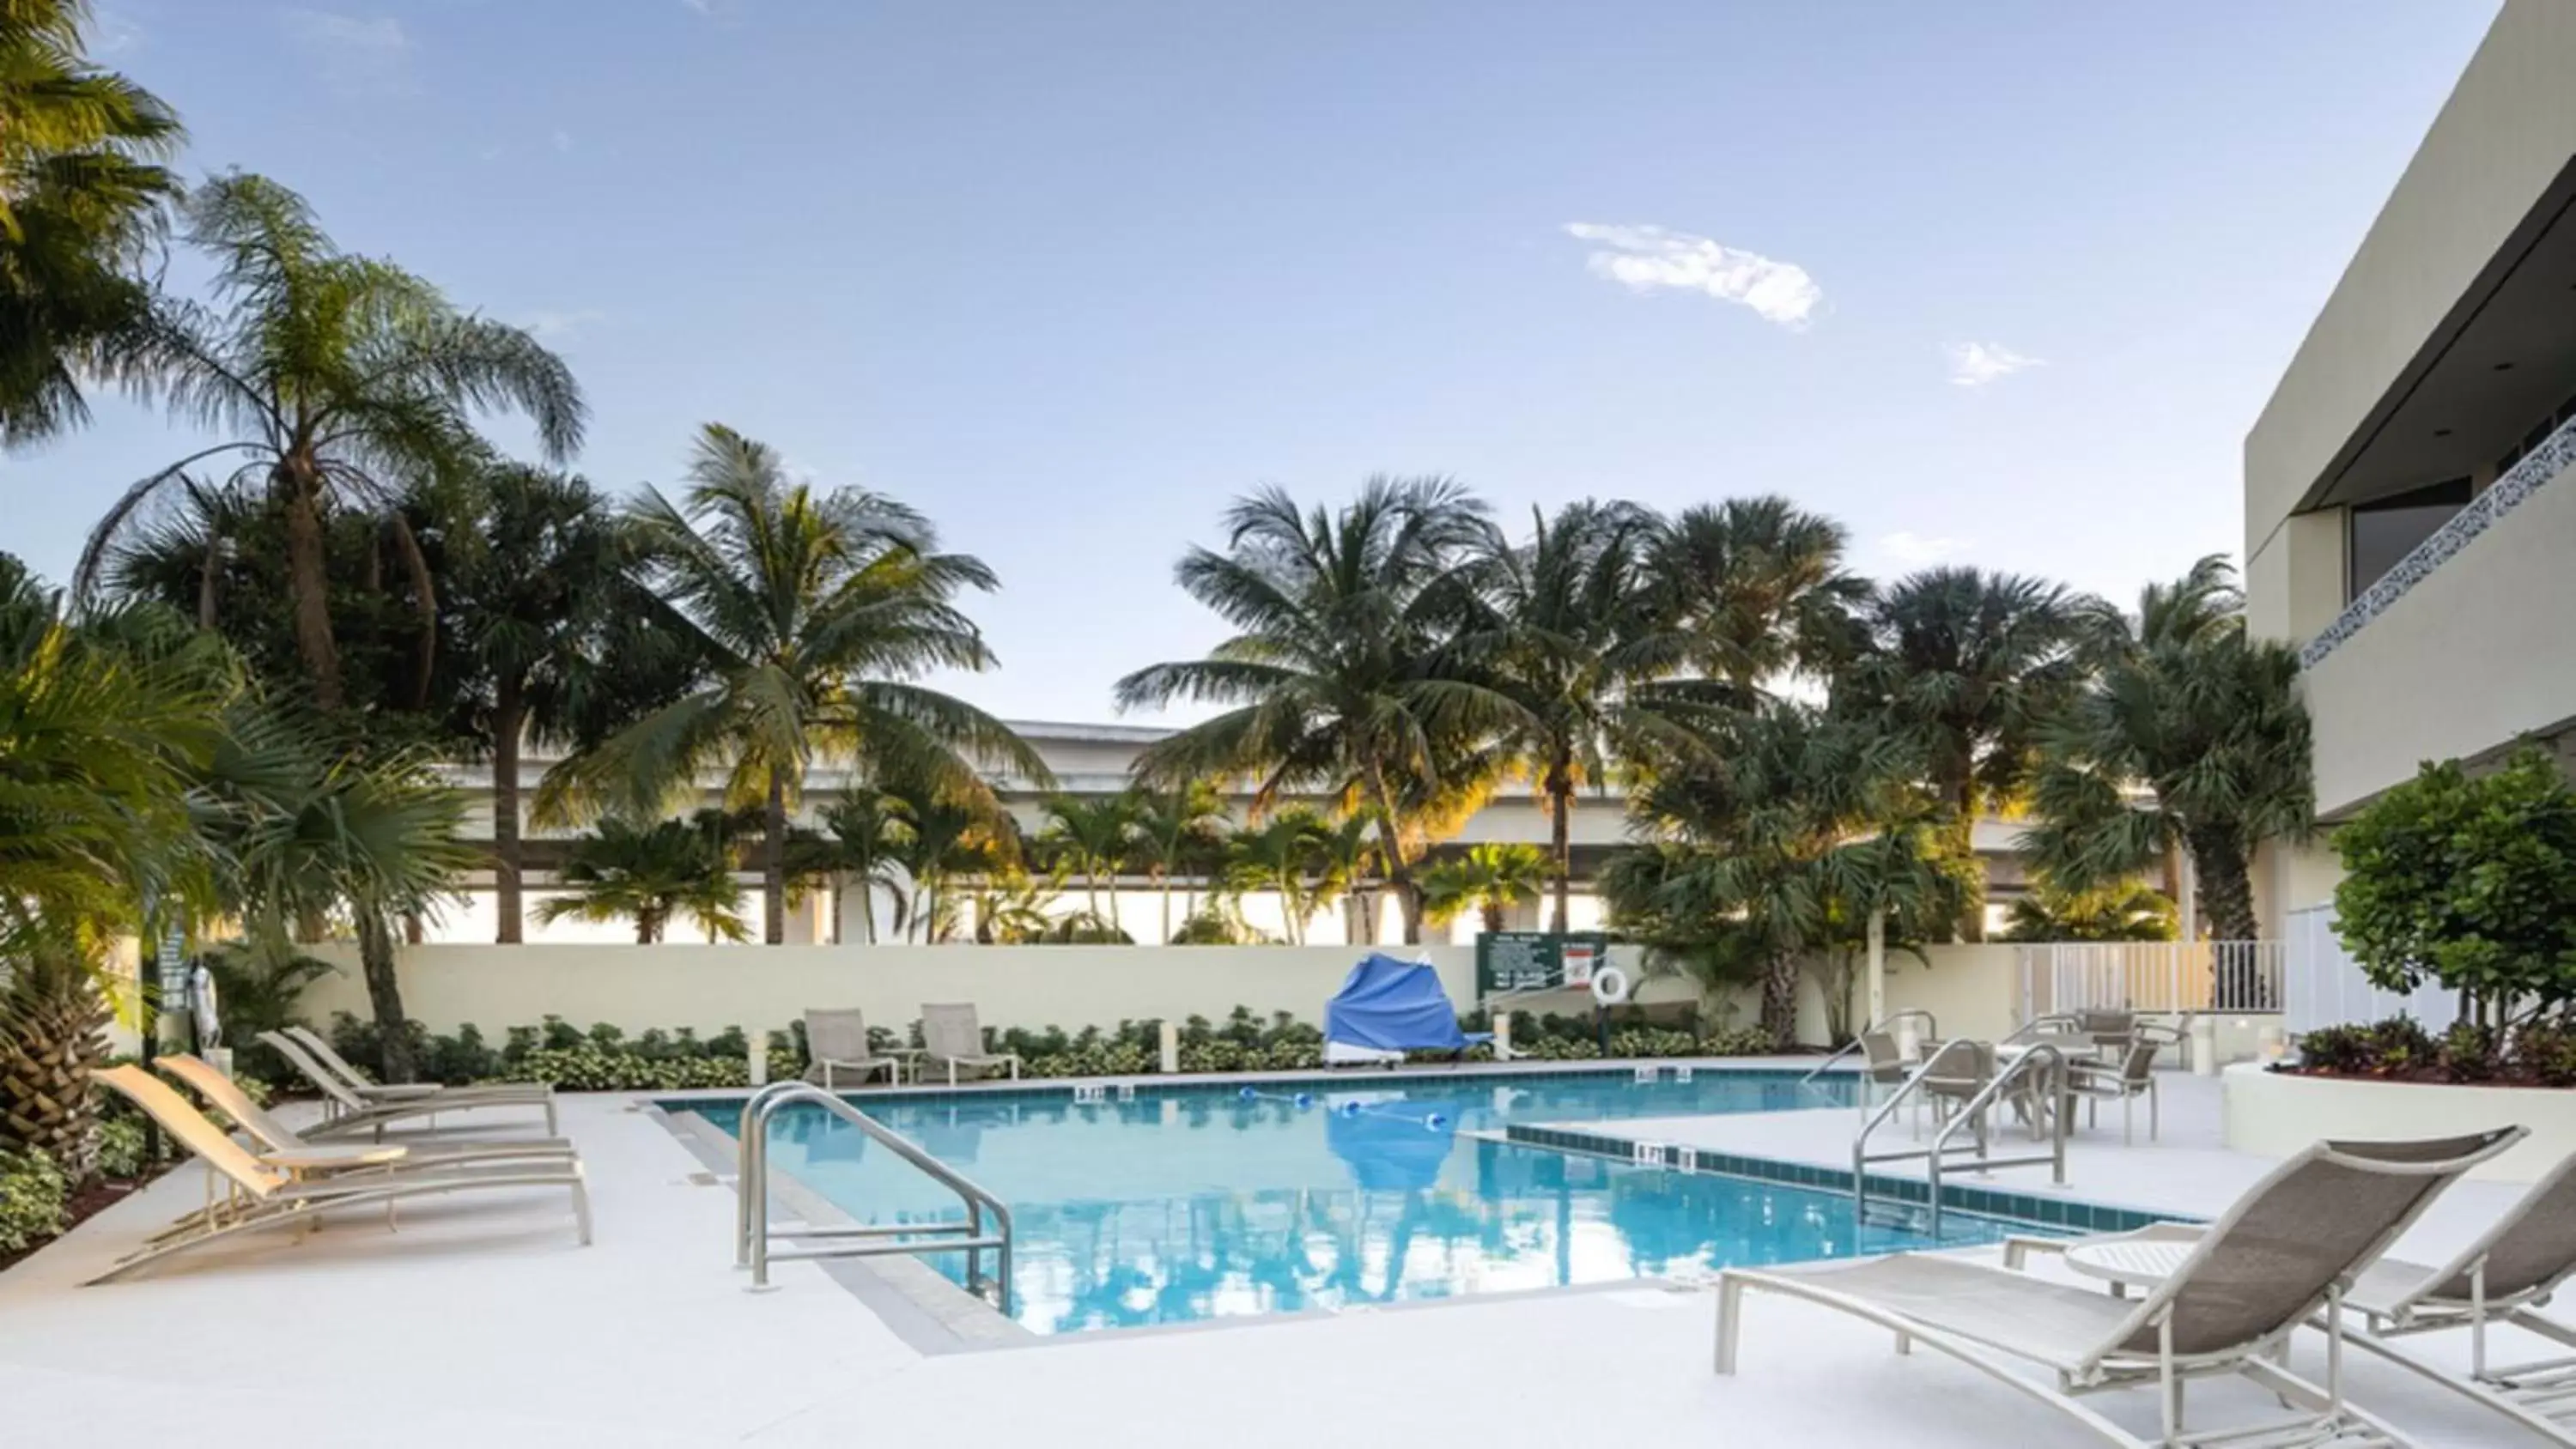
(751, 1199)
(1931, 1028)
(1971, 1114)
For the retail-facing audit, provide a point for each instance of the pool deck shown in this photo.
(482, 1323)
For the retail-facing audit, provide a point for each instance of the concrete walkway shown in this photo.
(483, 1324)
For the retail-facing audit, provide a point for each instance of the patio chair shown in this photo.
(347, 1113)
(269, 1134)
(836, 1044)
(2501, 1278)
(269, 1190)
(2124, 1082)
(1953, 1075)
(1883, 1063)
(2280, 1256)
(952, 1037)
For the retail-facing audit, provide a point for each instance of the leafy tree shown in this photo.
(2122, 911)
(82, 197)
(1284, 855)
(864, 833)
(1968, 666)
(1094, 836)
(1342, 674)
(648, 875)
(812, 616)
(1489, 879)
(1179, 832)
(1748, 592)
(1348, 852)
(2206, 720)
(949, 840)
(2468, 880)
(341, 380)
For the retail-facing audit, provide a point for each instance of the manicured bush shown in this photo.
(121, 1143)
(33, 1193)
(2400, 1049)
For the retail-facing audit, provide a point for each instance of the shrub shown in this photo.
(2470, 1052)
(33, 1195)
(2343, 1049)
(121, 1144)
(2545, 1053)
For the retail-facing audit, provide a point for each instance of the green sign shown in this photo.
(1537, 960)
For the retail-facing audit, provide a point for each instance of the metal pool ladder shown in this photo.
(752, 1231)
(2036, 1072)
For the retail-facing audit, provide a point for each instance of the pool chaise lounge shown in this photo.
(2278, 1258)
(350, 1111)
(2501, 1278)
(496, 1093)
(275, 1189)
(953, 1036)
(270, 1134)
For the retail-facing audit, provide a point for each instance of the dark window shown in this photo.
(2385, 530)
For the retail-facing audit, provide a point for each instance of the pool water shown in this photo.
(1193, 1203)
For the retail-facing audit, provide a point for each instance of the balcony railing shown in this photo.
(2523, 479)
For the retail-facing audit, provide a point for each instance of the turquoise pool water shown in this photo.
(1192, 1203)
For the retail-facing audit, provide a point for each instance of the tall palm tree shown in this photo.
(1489, 879)
(1570, 632)
(1349, 852)
(947, 841)
(338, 380)
(2129, 910)
(862, 842)
(1968, 665)
(812, 614)
(648, 875)
(1748, 593)
(1094, 836)
(1178, 833)
(82, 195)
(542, 594)
(1282, 855)
(1343, 672)
(2207, 720)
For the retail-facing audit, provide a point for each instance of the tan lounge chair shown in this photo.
(349, 1113)
(272, 1189)
(952, 1037)
(374, 1091)
(2283, 1255)
(836, 1045)
(268, 1133)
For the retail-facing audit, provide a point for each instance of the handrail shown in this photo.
(1970, 1114)
(752, 1231)
(1931, 1028)
(2031, 1027)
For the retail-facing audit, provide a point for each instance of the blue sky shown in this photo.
(1992, 281)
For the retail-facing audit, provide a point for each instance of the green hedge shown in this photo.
(33, 1195)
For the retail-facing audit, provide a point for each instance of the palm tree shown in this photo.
(1489, 879)
(1968, 665)
(1748, 593)
(1342, 673)
(1350, 860)
(340, 380)
(1178, 832)
(2207, 720)
(1571, 632)
(864, 833)
(619, 872)
(541, 592)
(812, 615)
(948, 840)
(81, 198)
(1094, 836)
(1284, 856)
(2128, 910)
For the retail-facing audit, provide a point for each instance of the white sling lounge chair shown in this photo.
(348, 1113)
(836, 1040)
(2501, 1279)
(266, 1132)
(2284, 1253)
(951, 1035)
(371, 1090)
(267, 1191)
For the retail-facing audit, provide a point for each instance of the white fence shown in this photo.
(2235, 977)
(2326, 988)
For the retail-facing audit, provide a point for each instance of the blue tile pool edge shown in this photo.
(2018, 1208)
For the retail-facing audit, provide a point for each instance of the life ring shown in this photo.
(1609, 986)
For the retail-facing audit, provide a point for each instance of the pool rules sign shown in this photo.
(1509, 961)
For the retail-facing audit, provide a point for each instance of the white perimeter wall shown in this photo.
(1972, 989)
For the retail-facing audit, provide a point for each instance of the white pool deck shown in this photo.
(481, 1323)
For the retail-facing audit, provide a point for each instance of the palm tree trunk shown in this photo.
(773, 860)
(838, 889)
(2226, 883)
(1163, 886)
(1399, 871)
(1780, 1000)
(1972, 915)
(1560, 802)
(868, 908)
(309, 582)
(648, 928)
(507, 710)
(1492, 911)
(384, 994)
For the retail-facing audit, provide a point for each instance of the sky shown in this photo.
(1995, 282)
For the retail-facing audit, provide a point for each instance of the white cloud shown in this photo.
(1643, 258)
(358, 56)
(114, 32)
(556, 326)
(1916, 551)
(1974, 364)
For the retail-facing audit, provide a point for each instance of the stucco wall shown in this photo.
(2273, 1114)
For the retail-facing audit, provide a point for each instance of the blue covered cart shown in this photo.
(1388, 1007)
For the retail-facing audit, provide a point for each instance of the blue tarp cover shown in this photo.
(1394, 1006)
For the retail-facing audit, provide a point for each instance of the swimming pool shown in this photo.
(1190, 1203)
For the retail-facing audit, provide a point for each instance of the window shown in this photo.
(2385, 530)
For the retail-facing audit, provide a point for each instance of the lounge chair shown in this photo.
(2501, 1278)
(836, 1046)
(373, 1091)
(268, 1133)
(952, 1037)
(267, 1190)
(348, 1113)
(2282, 1255)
